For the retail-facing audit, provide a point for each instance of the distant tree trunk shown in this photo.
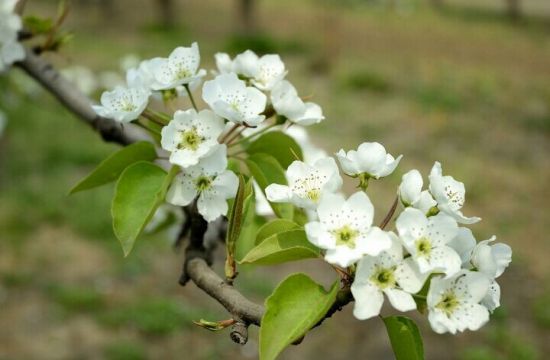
(513, 8)
(247, 23)
(166, 13)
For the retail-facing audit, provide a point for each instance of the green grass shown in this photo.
(156, 316)
(77, 298)
(125, 351)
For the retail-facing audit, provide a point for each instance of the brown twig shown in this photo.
(74, 100)
(389, 215)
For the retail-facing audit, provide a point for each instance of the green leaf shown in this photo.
(139, 191)
(111, 168)
(266, 170)
(37, 25)
(296, 305)
(405, 338)
(273, 227)
(234, 229)
(251, 223)
(279, 145)
(282, 247)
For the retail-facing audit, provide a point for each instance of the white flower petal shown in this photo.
(411, 225)
(182, 191)
(271, 70)
(313, 114)
(318, 236)
(492, 299)
(374, 242)
(372, 158)
(471, 317)
(211, 205)
(425, 202)
(359, 205)
(441, 229)
(343, 256)
(226, 184)
(286, 102)
(368, 301)
(410, 187)
(409, 277)
(400, 300)
(247, 64)
(463, 243)
(440, 323)
(442, 259)
(503, 256)
(473, 285)
(223, 63)
(278, 193)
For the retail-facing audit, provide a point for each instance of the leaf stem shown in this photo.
(186, 86)
(229, 132)
(253, 135)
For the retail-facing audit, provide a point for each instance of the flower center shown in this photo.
(234, 105)
(346, 236)
(183, 73)
(190, 140)
(423, 246)
(454, 197)
(449, 302)
(203, 183)
(383, 277)
(313, 195)
(128, 106)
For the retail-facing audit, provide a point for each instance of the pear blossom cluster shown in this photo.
(427, 261)
(243, 93)
(10, 24)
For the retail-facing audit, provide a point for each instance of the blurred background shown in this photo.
(465, 82)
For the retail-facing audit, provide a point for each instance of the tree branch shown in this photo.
(78, 103)
(206, 279)
(198, 256)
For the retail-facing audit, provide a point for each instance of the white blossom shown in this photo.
(426, 239)
(223, 63)
(191, 136)
(123, 104)
(449, 194)
(246, 64)
(10, 24)
(231, 99)
(210, 181)
(491, 260)
(286, 102)
(307, 184)
(143, 75)
(180, 68)
(453, 303)
(370, 160)
(345, 229)
(463, 243)
(271, 70)
(390, 274)
(310, 151)
(411, 194)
